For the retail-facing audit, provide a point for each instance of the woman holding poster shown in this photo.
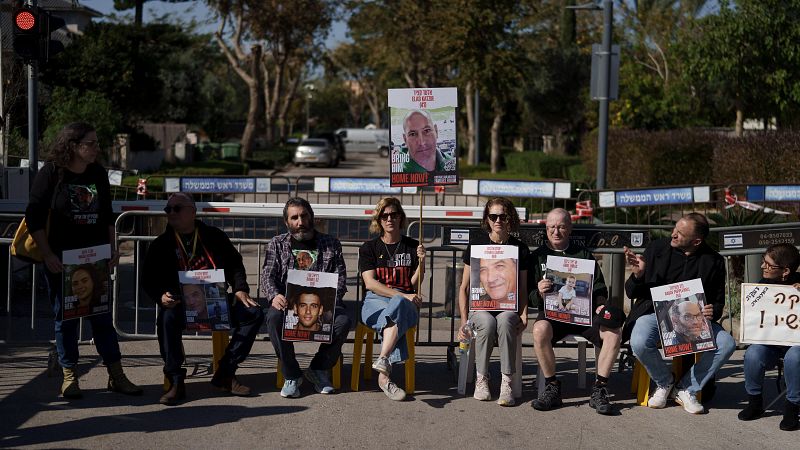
(496, 279)
(70, 209)
(391, 266)
(778, 266)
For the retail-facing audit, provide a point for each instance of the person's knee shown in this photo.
(542, 332)
(725, 344)
(792, 358)
(611, 336)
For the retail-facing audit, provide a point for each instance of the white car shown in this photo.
(316, 151)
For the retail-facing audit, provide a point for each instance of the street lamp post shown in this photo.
(309, 95)
(604, 85)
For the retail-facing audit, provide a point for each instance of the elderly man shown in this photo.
(605, 331)
(420, 135)
(281, 255)
(189, 244)
(681, 257)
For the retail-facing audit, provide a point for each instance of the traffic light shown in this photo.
(27, 36)
(50, 47)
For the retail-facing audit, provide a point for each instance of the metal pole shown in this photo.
(477, 126)
(33, 121)
(605, 84)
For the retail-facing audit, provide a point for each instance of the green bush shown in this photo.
(540, 165)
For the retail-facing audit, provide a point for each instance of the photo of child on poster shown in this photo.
(423, 136)
(311, 299)
(570, 301)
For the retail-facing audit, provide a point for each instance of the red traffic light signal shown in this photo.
(26, 33)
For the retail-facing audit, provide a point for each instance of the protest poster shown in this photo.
(423, 137)
(311, 301)
(679, 311)
(769, 314)
(570, 300)
(204, 294)
(85, 282)
(494, 272)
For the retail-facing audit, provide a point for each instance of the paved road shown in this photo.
(436, 417)
(357, 165)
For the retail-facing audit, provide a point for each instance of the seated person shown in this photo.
(391, 265)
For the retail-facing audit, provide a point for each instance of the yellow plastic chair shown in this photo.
(219, 342)
(363, 333)
(640, 384)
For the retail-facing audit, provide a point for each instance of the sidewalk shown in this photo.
(435, 417)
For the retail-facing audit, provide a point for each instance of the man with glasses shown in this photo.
(189, 244)
(606, 328)
(681, 257)
(290, 251)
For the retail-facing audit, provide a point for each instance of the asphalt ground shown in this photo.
(436, 416)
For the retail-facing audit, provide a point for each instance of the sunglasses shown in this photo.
(177, 208)
(494, 217)
(391, 215)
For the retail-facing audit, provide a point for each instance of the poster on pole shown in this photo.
(423, 137)
(85, 282)
(311, 301)
(570, 300)
(770, 314)
(681, 323)
(204, 295)
(494, 271)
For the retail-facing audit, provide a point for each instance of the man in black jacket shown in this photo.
(189, 244)
(685, 256)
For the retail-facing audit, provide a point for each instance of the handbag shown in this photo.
(24, 246)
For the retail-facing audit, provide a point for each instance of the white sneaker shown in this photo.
(689, 402)
(482, 388)
(659, 398)
(506, 397)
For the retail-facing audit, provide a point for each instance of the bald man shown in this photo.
(547, 332)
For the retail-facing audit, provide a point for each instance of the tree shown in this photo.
(285, 36)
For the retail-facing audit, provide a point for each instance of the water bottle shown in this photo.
(468, 330)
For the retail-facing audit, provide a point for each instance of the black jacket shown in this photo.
(160, 272)
(665, 265)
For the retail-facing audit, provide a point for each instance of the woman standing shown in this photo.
(77, 189)
(391, 266)
(778, 266)
(499, 220)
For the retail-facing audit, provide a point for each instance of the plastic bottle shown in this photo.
(468, 330)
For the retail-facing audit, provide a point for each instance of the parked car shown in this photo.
(334, 140)
(365, 140)
(316, 151)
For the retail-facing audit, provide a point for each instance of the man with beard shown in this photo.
(326, 253)
(681, 257)
(687, 322)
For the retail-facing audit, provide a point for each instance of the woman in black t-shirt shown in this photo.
(391, 265)
(499, 220)
(72, 193)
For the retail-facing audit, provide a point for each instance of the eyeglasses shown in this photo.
(561, 228)
(177, 208)
(494, 217)
(391, 215)
(692, 317)
(769, 266)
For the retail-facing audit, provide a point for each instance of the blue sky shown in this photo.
(191, 9)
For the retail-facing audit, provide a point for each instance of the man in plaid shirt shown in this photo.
(282, 253)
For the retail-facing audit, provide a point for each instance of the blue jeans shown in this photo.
(103, 332)
(378, 312)
(759, 358)
(645, 340)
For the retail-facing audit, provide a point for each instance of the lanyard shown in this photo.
(186, 257)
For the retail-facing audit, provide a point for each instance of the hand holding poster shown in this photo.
(423, 136)
(770, 314)
(679, 311)
(205, 299)
(311, 301)
(493, 277)
(85, 282)
(570, 300)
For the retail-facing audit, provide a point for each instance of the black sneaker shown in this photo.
(549, 398)
(790, 411)
(599, 401)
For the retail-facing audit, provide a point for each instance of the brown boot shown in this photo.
(175, 393)
(118, 382)
(229, 383)
(70, 388)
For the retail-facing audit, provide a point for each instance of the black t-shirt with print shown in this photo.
(304, 253)
(394, 264)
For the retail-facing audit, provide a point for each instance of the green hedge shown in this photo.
(544, 166)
